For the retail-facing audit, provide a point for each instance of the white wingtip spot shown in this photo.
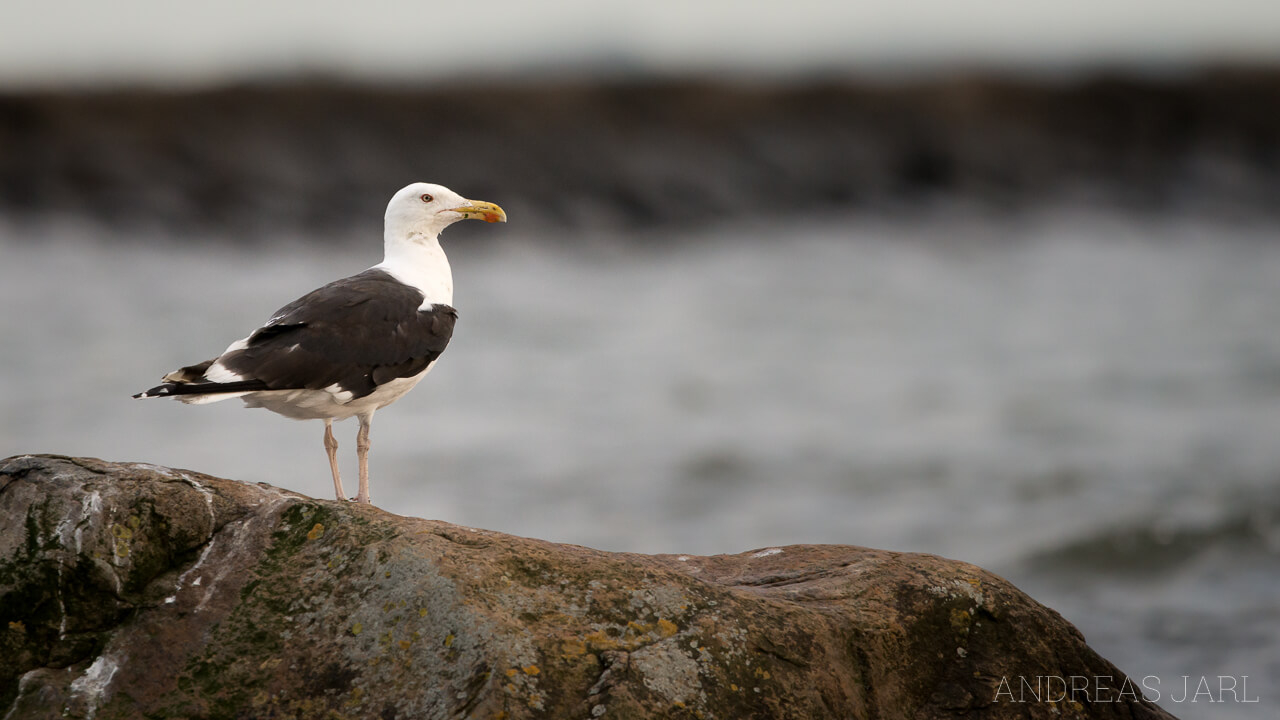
(340, 396)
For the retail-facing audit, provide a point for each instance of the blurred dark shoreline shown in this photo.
(322, 157)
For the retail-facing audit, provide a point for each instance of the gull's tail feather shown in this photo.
(204, 388)
(189, 385)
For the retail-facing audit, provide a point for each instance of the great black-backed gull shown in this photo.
(355, 345)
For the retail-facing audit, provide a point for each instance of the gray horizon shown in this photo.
(152, 43)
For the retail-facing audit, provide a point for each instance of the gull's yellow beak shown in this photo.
(480, 210)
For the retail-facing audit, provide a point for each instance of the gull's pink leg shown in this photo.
(331, 447)
(362, 456)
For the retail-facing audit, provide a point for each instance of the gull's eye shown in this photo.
(426, 197)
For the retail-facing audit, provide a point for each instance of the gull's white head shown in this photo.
(426, 209)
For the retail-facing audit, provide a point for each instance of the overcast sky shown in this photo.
(162, 42)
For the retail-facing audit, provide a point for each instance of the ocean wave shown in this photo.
(1158, 544)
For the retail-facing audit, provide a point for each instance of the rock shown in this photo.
(588, 159)
(130, 590)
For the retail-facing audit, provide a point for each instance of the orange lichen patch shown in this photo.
(512, 672)
(406, 644)
(762, 673)
(960, 620)
(316, 531)
(600, 640)
(531, 670)
(666, 628)
(570, 649)
(448, 640)
(357, 628)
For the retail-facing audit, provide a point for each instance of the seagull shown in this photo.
(355, 345)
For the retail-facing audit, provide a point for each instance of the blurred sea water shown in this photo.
(1087, 402)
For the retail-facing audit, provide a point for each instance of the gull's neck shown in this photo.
(416, 259)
